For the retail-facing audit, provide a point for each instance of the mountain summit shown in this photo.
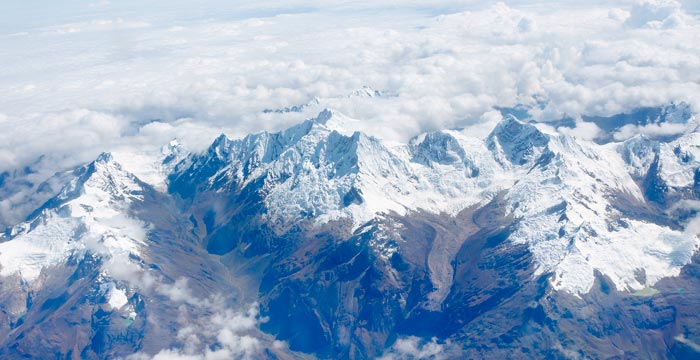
(345, 243)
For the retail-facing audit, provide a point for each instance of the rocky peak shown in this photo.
(516, 141)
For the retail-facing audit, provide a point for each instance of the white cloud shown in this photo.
(415, 348)
(95, 26)
(583, 130)
(652, 130)
(656, 14)
(124, 76)
(692, 226)
(209, 328)
(487, 122)
(226, 334)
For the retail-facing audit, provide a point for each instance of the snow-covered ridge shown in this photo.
(317, 169)
(91, 213)
(565, 193)
(580, 207)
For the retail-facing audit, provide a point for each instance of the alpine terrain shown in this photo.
(321, 242)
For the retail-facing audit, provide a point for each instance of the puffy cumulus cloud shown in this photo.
(65, 133)
(583, 130)
(225, 334)
(656, 14)
(487, 122)
(208, 327)
(651, 130)
(415, 348)
(108, 77)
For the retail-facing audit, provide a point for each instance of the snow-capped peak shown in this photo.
(517, 142)
(366, 91)
(568, 199)
(441, 148)
(91, 213)
(336, 121)
(566, 193)
(151, 166)
(323, 170)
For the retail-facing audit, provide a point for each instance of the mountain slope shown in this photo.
(105, 269)
(495, 246)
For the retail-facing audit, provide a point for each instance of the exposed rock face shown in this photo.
(521, 244)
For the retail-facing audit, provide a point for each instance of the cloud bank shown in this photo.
(104, 76)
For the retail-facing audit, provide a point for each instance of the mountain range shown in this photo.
(320, 241)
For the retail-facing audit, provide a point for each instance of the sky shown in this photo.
(82, 77)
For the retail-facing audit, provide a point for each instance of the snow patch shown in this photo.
(116, 297)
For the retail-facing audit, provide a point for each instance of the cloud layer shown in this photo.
(89, 83)
(101, 76)
(105, 76)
